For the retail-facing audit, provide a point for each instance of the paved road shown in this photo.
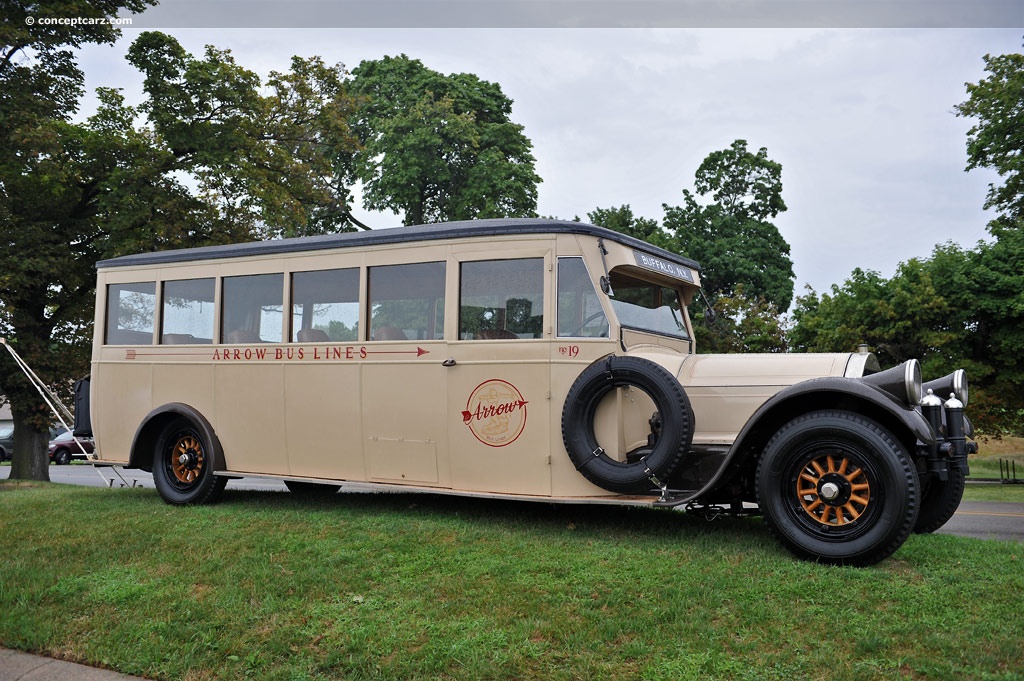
(987, 520)
(979, 519)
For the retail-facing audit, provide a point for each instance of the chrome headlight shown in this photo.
(912, 381)
(902, 382)
(955, 383)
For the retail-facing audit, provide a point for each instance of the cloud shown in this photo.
(861, 120)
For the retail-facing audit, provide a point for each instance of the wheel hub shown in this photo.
(833, 490)
(828, 491)
(187, 459)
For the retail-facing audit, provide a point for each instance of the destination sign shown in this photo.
(663, 266)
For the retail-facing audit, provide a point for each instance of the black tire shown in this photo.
(183, 466)
(311, 489)
(673, 440)
(62, 457)
(940, 500)
(838, 488)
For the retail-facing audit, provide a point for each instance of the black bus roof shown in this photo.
(395, 235)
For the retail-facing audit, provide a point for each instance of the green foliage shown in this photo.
(265, 165)
(991, 299)
(50, 192)
(622, 220)
(439, 147)
(742, 324)
(958, 309)
(899, 318)
(732, 238)
(996, 140)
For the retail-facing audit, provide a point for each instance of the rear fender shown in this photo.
(144, 443)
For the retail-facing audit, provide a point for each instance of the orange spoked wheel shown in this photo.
(833, 489)
(187, 458)
(182, 465)
(837, 487)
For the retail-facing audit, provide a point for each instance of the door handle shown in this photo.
(450, 362)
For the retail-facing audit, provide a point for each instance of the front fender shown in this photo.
(906, 423)
(843, 393)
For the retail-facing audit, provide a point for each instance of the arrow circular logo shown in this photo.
(495, 413)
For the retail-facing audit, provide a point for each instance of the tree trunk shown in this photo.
(31, 459)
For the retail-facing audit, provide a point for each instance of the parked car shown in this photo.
(63, 448)
(6, 442)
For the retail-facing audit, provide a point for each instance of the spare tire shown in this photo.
(670, 443)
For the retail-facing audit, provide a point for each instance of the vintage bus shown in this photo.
(520, 359)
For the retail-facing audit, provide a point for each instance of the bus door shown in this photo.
(499, 374)
(403, 380)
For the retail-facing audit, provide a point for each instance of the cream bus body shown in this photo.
(470, 358)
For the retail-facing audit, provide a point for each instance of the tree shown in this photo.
(73, 193)
(270, 164)
(732, 238)
(743, 324)
(958, 309)
(622, 220)
(746, 270)
(901, 318)
(991, 302)
(991, 278)
(997, 138)
(45, 192)
(439, 147)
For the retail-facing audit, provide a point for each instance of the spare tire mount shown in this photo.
(671, 441)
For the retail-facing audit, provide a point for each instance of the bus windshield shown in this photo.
(647, 307)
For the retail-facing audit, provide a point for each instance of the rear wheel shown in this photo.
(183, 466)
(837, 487)
(62, 457)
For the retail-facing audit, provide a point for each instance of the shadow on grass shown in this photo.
(630, 522)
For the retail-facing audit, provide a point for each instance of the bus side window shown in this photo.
(580, 313)
(407, 301)
(187, 312)
(253, 307)
(325, 306)
(501, 299)
(131, 311)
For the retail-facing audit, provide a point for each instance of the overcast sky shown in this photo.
(861, 118)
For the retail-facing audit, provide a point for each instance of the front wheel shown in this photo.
(183, 466)
(940, 500)
(837, 487)
(62, 457)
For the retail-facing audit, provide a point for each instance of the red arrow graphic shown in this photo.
(419, 352)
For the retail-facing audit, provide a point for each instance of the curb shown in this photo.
(19, 666)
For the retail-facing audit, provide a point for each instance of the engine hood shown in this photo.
(777, 370)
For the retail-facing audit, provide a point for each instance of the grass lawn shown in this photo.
(986, 466)
(270, 586)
